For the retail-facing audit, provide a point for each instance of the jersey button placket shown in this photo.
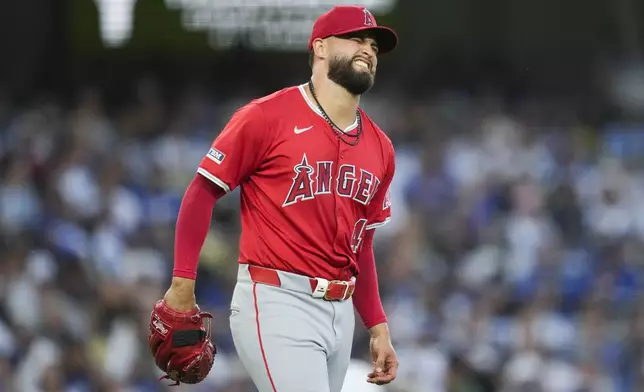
(336, 196)
(340, 219)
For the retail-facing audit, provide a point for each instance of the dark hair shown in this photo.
(311, 58)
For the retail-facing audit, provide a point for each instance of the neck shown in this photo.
(337, 102)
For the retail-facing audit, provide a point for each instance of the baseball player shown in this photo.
(314, 173)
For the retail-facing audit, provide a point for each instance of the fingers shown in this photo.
(392, 371)
(380, 376)
(377, 375)
(381, 379)
(378, 367)
(380, 364)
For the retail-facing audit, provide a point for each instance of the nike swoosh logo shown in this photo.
(301, 130)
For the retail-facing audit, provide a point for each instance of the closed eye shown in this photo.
(360, 40)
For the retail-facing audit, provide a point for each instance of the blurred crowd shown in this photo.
(513, 261)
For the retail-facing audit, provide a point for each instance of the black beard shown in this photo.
(341, 72)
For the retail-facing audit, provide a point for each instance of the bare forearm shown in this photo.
(381, 329)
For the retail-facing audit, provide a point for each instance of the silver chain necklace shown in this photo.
(339, 132)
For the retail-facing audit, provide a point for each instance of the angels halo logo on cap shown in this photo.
(346, 19)
(368, 18)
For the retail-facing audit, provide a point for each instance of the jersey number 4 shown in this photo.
(358, 234)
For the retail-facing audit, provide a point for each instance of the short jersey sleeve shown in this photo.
(379, 209)
(238, 150)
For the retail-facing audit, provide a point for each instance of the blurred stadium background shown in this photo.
(515, 258)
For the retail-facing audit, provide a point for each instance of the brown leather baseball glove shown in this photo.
(180, 343)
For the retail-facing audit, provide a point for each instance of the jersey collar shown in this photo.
(317, 111)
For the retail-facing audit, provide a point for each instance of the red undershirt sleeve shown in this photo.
(233, 156)
(193, 222)
(366, 297)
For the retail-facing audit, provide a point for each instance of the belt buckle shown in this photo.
(344, 294)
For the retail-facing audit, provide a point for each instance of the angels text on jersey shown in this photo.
(312, 179)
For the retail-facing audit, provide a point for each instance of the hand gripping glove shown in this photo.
(180, 343)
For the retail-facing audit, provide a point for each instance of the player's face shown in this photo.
(353, 62)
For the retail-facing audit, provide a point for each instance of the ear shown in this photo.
(320, 48)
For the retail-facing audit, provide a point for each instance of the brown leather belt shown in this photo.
(329, 290)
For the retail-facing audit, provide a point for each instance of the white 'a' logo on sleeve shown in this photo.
(387, 202)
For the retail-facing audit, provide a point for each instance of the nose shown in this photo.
(367, 52)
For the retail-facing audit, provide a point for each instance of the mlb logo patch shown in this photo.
(216, 155)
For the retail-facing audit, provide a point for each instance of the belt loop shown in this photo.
(350, 290)
(346, 291)
(264, 275)
(320, 289)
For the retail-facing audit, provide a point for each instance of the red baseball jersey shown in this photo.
(306, 196)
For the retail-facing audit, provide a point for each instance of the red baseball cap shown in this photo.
(345, 19)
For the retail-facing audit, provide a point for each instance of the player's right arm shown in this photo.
(234, 155)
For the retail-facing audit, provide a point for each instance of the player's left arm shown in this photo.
(366, 298)
(369, 306)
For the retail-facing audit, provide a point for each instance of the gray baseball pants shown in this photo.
(287, 340)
